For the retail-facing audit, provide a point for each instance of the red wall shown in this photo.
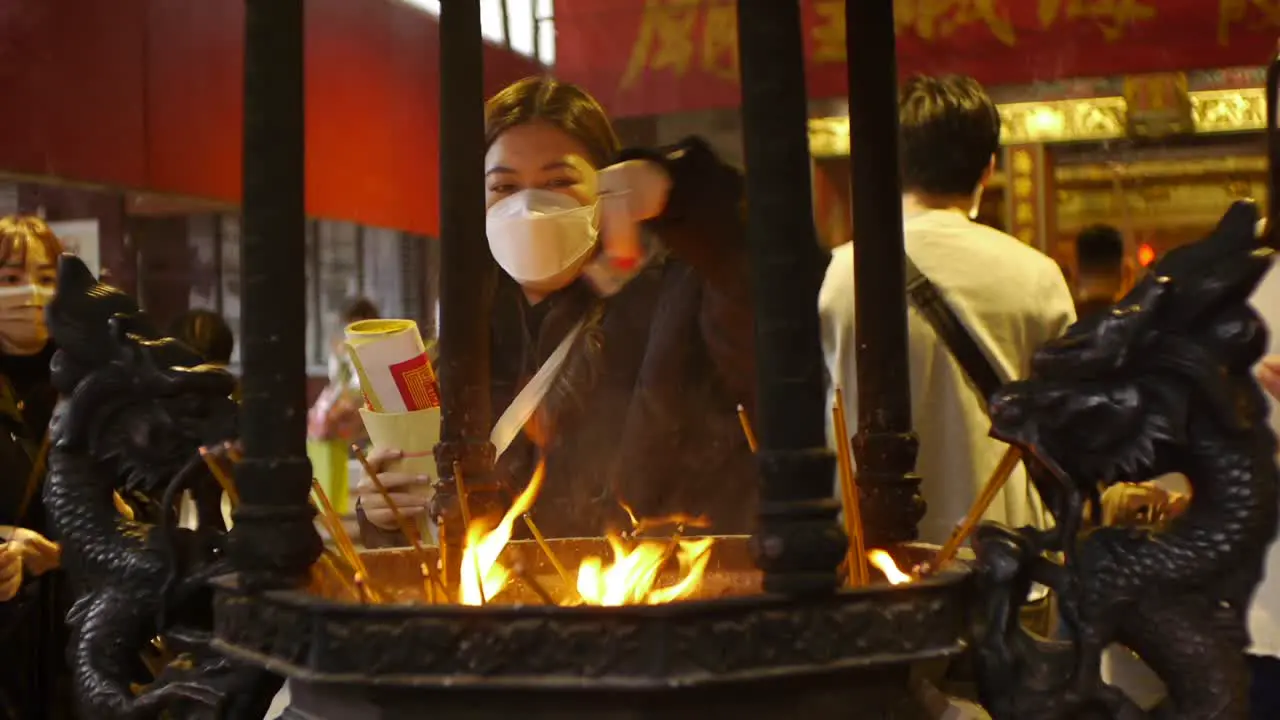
(145, 94)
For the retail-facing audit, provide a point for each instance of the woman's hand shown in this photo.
(10, 572)
(1269, 376)
(410, 492)
(631, 192)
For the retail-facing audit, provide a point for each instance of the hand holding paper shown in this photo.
(402, 418)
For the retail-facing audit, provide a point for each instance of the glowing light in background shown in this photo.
(1146, 254)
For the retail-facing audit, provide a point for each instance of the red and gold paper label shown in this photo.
(416, 381)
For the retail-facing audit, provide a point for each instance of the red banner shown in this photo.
(643, 57)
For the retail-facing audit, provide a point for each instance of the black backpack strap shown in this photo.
(924, 295)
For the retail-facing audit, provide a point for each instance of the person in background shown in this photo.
(1269, 374)
(1264, 612)
(33, 596)
(1010, 298)
(207, 333)
(624, 277)
(1102, 274)
(333, 423)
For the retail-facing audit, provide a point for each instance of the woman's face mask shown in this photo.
(26, 286)
(541, 238)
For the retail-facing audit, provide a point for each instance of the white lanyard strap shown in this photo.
(530, 397)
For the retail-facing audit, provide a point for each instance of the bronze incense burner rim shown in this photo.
(669, 646)
(955, 571)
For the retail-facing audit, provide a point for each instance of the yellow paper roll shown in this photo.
(392, 364)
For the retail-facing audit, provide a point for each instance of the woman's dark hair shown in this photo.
(207, 333)
(562, 105)
(358, 309)
(948, 130)
(18, 231)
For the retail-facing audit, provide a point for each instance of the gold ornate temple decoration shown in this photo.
(1079, 120)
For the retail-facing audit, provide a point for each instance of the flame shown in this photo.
(480, 557)
(884, 562)
(631, 578)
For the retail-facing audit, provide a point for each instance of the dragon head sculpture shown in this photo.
(141, 402)
(1106, 399)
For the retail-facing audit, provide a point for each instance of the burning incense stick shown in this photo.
(461, 487)
(746, 429)
(406, 527)
(856, 559)
(546, 548)
(327, 561)
(228, 485)
(995, 483)
(532, 583)
(343, 541)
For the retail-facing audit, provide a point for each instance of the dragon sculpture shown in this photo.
(135, 410)
(1163, 383)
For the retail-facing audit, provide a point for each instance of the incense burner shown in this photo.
(729, 650)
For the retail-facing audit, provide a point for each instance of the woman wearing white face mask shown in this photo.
(625, 287)
(32, 601)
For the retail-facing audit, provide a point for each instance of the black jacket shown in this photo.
(644, 412)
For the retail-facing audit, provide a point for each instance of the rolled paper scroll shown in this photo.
(415, 434)
(395, 372)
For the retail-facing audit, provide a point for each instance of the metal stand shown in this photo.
(274, 541)
(466, 287)
(798, 543)
(886, 444)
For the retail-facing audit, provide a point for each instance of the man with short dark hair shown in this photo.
(1101, 276)
(1008, 296)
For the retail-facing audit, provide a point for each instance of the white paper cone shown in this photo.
(415, 434)
(395, 372)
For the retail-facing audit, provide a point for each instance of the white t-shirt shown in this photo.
(1012, 299)
(1264, 613)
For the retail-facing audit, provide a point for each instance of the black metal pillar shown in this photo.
(466, 274)
(885, 445)
(798, 543)
(274, 541)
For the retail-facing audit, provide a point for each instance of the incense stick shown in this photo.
(461, 488)
(750, 434)
(856, 557)
(409, 529)
(546, 548)
(228, 485)
(995, 483)
(532, 583)
(343, 541)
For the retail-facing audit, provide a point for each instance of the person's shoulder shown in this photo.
(837, 285)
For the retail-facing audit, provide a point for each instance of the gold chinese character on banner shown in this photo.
(933, 19)
(666, 40)
(828, 33)
(1265, 14)
(720, 40)
(1112, 17)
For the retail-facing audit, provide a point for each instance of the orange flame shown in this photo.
(884, 562)
(631, 578)
(480, 566)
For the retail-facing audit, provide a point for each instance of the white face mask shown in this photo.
(541, 238)
(22, 325)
